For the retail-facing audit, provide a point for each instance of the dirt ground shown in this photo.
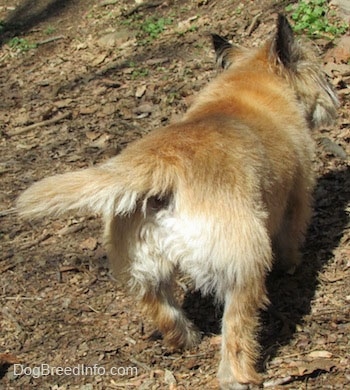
(82, 79)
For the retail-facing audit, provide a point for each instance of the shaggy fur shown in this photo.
(212, 195)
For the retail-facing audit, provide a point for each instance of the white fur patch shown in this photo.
(216, 255)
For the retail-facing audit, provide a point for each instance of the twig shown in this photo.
(3, 57)
(35, 242)
(94, 310)
(254, 23)
(47, 122)
(142, 6)
(49, 40)
(5, 267)
(23, 298)
(109, 2)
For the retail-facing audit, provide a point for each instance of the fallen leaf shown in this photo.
(145, 108)
(91, 135)
(140, 91)
(90, 244)
(309, 367)
(99, 59)
(169, 378)
(320, 354)
(88, 110)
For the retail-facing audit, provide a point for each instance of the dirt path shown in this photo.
(79, 80)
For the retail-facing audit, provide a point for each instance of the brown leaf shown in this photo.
(90, 244)
(99, 59)
(309, 367)
(92, 135)
(320, 354)
(140, 91)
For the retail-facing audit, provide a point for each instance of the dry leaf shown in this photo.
(140, 91)
(109, 109)
(99, 59)
(308, 368)
(320, 354)
(169, 377)
(88, 110)
(91, 135)
(90, 244)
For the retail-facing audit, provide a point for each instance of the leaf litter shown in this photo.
(80, 99)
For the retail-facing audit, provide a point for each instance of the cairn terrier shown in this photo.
(213, 195)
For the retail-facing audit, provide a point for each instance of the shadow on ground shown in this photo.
(291, 295)
(28, 14)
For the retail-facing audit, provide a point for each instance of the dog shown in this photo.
(221, 195)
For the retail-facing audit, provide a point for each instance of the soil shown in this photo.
(96, 80)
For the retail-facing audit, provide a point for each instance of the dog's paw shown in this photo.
(238, 381)
(233, 385)
(193, 338)
(184, 338)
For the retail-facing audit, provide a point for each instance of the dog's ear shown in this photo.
(222, 48)
(285, 48)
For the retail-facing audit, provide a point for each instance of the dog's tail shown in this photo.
(113, 188)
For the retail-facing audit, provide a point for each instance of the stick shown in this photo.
(142, 6)
(23, 298)
(253, 24)
(108, 2)
(40, 124)
(27, 245)
(52, 39)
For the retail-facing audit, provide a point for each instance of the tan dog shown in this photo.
(211, 195)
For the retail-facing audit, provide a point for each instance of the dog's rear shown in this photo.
(212, 194)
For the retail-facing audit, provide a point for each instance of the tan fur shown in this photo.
(212, 195)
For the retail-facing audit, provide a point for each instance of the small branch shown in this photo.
(142, 6)
(49, 40)
(108, 2)
(254, 23)
(19, 298)
(35, 242)
(41, 124)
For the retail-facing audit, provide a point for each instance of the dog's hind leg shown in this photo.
(240, 347)
(152, 271)
(177, 330)
(244, 296)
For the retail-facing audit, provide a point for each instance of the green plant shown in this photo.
(49, 30)
(136, 73)
(21, 44)
(153, 26)
(312, 17)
